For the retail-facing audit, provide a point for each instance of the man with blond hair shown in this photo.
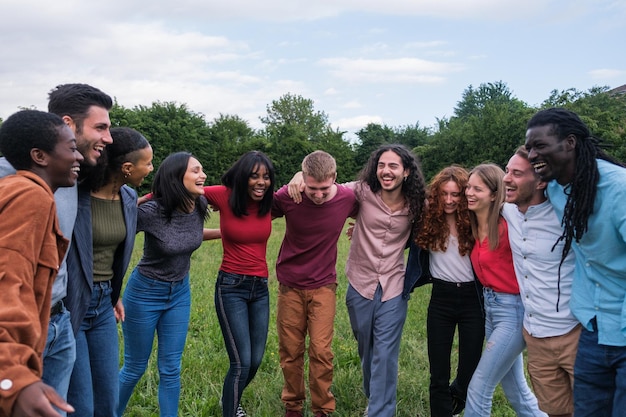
(305, 269)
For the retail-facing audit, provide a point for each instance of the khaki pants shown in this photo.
(300, 312)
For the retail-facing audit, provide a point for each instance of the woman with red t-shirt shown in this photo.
(501, 361)
(241, 296)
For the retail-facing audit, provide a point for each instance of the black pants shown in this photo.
(451, 306)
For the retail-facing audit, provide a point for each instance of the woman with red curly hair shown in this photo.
(456, 298)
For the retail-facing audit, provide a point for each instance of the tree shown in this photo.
(602, 111)
(370, 138)
(230, 136)
(487, 126)
(169, 127)
(293, 129)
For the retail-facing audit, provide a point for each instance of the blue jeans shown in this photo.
(162, 307)
(242, 303)
(59, 354)
(93, 387)
(599, 378)
(502, 360)
(377, 327)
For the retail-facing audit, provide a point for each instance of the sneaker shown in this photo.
(458, 404)
(240, 412)
(293, 413)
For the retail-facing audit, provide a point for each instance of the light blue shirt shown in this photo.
(599, 287)
(532, 236)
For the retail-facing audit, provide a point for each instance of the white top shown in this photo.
(532, 236)
(450, 265)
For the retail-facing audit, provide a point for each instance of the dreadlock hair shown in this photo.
(581, 192)
(435, 229)
(414, 186)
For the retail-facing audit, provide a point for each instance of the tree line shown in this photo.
(487, 125)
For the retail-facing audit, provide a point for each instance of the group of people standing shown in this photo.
(60, 341)
(530, 257)
(547, 245)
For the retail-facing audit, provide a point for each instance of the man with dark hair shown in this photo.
(550, 330)
(43, 149)
(85, 109)
(588, 189)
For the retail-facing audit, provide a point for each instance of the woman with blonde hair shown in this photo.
(501, 361)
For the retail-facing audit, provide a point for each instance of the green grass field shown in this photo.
(205, 361)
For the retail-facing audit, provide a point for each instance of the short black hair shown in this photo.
(126, 143)
(25, 130)
(74, 100)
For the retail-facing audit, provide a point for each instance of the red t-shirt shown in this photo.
(244, 239)
(494, 268)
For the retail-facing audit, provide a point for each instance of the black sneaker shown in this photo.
(458, 404)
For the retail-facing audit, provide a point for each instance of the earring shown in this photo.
(405, 179)
(126, 175)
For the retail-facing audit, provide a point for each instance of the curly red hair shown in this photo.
(435, 230)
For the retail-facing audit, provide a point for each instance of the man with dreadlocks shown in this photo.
(588, 189)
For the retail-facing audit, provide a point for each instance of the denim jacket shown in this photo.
(80, 255)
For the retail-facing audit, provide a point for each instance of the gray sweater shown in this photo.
(167, 245)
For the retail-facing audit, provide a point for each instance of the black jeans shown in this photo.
(453, 305)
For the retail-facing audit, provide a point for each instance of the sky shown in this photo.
(393, 62)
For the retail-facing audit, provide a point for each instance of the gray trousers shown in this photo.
(377, 327)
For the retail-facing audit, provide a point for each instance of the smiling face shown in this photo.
(64, 161)
(194, 178)
(319, 191)
(136, 172)
(551, 157)
(521, 185)
(93, 134)
(450, 194)
(258, 182)
(390, 171)
(479, 196)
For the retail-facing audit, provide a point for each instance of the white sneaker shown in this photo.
(240, 412)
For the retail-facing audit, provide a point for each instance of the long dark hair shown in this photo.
(169, 191)
(236, 178)
(413, 189)
(581, 192)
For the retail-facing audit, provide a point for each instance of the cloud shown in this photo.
(398, 70)
(353, 104)
(353, 124)
(198, 11)
(607, 74)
